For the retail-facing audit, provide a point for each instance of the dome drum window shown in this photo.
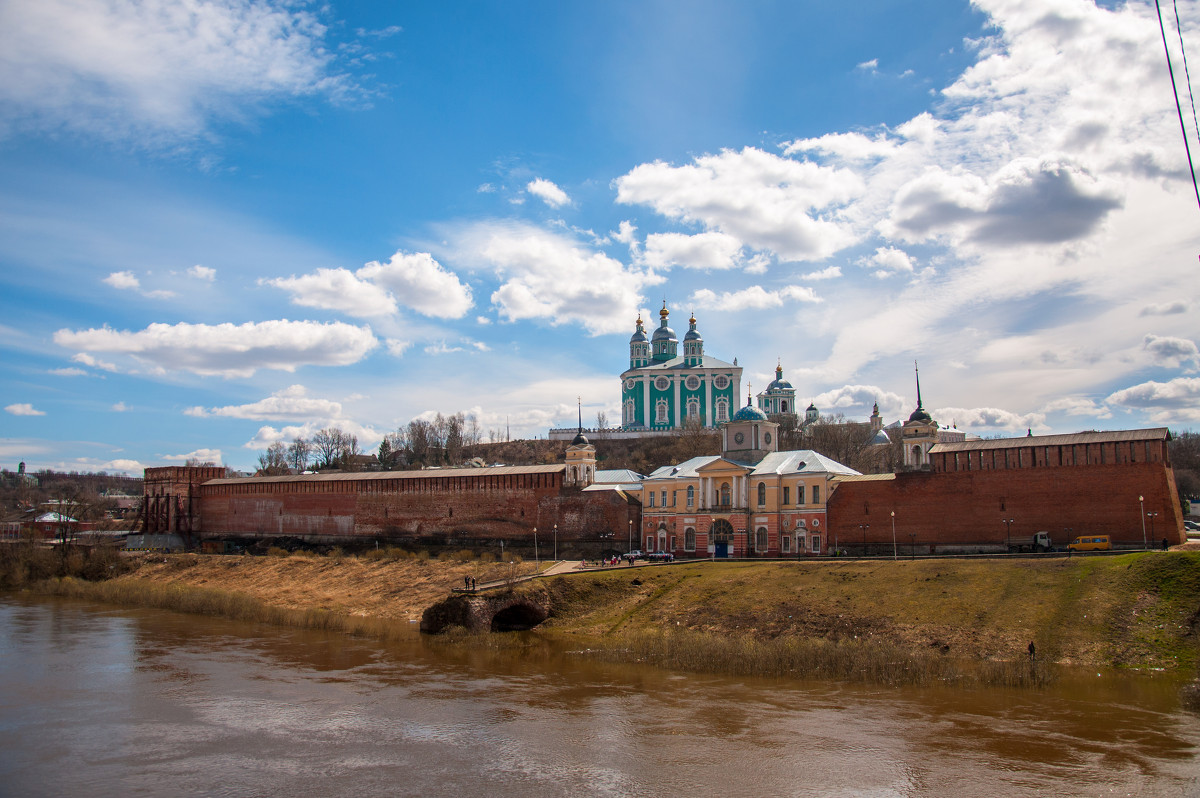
(721, 382)
(662, 383)
(692, 382)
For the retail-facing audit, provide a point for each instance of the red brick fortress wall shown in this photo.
(966, 510)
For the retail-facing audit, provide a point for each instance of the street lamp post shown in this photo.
(1008, 522)
(537, 563)
(629, 545)
(1152, 516)
(895, 554)
(864, 528)
(1142, 513)
(556, 542)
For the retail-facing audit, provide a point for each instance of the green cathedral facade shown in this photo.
(663, 390)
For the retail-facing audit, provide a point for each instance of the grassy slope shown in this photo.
(1137, 610)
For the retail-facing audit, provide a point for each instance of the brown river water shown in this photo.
(97, 701)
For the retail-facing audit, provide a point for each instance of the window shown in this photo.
(691, 496)
(662, 383)
(689, 540)
(787, 495)
(722, 410)
(783, 406)
(693, 408)
(762, 493)
(786, 543)
(672, 546)
(816, 543)
(816, 492)
(692, 382)
(800, 493)
(651, 504)
(721, 382)
(660, 411)
(760, 539)
(664, 498)
(726, 498)
(649, 543)
(629, 411)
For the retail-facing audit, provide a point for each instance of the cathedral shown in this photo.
(663, 390)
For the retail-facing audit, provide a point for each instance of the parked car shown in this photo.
(1090, 543)
(636, 554)
(1191, 526)
(660, 556)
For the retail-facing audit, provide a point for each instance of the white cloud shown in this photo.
(419, 282)
(1171, 352)
(988, 418)
(860, 398)
(202, 273)
(396, 347)
(68, 372)
(753, 298)
(1165, 309)
(128, 281)
(701, 251)
(288, 404)
(119, 407)
(23, 409)
(1077, 406)
(228, 350)
(869, 66)
(888, 261)
(368, 437)
(122, 465)
(156, 71)
(1168, 402)
(88, 360)
(548, 192)
(768, 202)
(554, 278)
(199, 455)
(828, 273)
(337, 289)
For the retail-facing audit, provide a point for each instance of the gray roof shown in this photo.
(1111, 436)
(804, 461)
(685, 470)
(617, 475)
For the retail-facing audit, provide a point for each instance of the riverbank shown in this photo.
(1138, 611)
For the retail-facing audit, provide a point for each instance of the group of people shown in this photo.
(469, 583)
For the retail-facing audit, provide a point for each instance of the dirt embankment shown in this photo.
(381, 588)
(1137, 610)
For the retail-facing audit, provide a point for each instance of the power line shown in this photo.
(1178, 108)
(1187, 76)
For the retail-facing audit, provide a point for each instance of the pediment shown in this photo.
(723, 467)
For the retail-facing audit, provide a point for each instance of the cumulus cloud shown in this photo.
(763, 200)
(860, 398)
(199, 456)
(702, 251)
(397, 347)
(1077, 406)
(1171, 352)
(554, 278)
(128, 281)
(753, 298)
(1168, 402)
(368, 437)
(419, 282)
(228, 350)
(988, 418)
(119, 407)
(337, 289)
(887, 261)
(829, 273)
(88, 360)
(156, 71)
(202, 273)
(548, 192)
(23, 409)
(1164, 309)
(288, 404)
(68, 372)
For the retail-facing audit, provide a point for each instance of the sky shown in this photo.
(225, 223)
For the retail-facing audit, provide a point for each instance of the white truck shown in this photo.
(1038, 541)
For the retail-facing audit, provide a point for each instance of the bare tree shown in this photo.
(327, 443)
(418, 440)
(298, 454)
(273, 462)
(601, 421)
(454, 438)
(473, 434)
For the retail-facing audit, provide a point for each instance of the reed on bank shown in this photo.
(223, 604)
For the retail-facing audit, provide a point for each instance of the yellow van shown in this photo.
(1090, 543)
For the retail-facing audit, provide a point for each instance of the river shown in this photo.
(102, 701)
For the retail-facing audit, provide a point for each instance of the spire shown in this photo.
(579, 402)
(749, 391)
(917, 371)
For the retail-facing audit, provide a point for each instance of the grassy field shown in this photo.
(1135, 611)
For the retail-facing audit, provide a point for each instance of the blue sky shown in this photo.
(225, 222)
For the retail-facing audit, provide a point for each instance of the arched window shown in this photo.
(660, 408)
(783, 406)
(760, 539)
(629, 411)
(693, 408)
(762, 494)
(726, 494)
(689, 540)
(691, 496)
(722, 410)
